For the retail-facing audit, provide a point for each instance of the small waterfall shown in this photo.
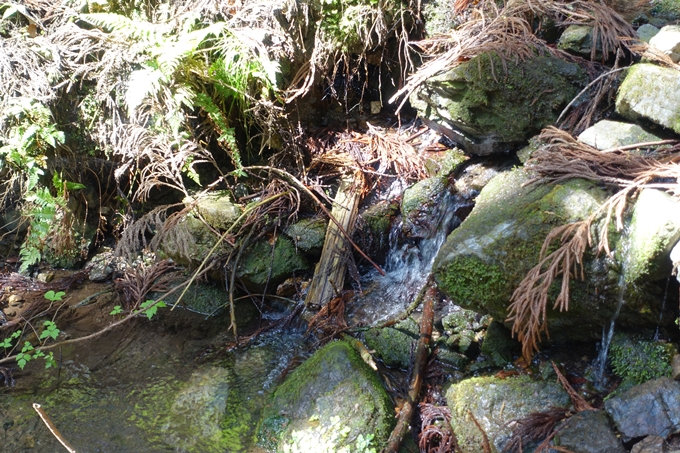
(663, 308)
(406, 269)
(608, 334)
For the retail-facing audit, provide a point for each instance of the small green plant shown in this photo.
(638, 360)
(363, 444)
(7, 342)
(50, 331)
(54, 297)
(150, 308)
(29, 353)
(116, 310)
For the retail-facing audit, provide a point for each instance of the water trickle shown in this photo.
(663, 308)
(608, 334)
(406, 268)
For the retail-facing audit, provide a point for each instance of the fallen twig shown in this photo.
(420, 362)
(53, 429)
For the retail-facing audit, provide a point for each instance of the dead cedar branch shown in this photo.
(561, 158)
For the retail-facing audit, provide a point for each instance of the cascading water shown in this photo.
(608, 334)
(406, 269)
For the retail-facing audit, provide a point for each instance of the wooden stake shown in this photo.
(330, 271)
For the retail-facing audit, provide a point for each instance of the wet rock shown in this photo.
(654, 230)
(653, 93)
(486, 258)
(373, 228)
(668, 41)
(394, 344)
(330, 403)
(102, 265)
(652, 408)
(498, 345)
(266, 266)
(675, 365)
(647, 32)
(588, 432)
(308, 234)
(610, 134)
(420, 206)
(578, 40)
(440, 17)
(494, 403)
(650, 444)
(491, 111)
(443, 164)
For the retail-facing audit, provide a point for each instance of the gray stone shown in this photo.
(486, 109)
(394, 344)
(647, 32)
(652, 408)
(653, 93)
(611, 134)
(494, 403)
(650, 444)
(326, 404)
(589, 432)
(668, 41)
(654, 230)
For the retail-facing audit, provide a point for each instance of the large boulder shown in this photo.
(652, 93)
(331, 403)
(668, 41)
(485, 259)
(494, 403)
(495, 109)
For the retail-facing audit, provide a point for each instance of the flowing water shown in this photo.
(608, 334)
(407, 266)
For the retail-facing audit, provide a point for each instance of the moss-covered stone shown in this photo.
(326, 404)
(189, 242)
(444, 165)
(652, 93)
(486, 258)
(266, 265)
(636, 360)
(653, 232)
(667, 9)
(578, 39)
(394, 344)
(498, 345)
(494, 403)
(308, 234)
(610, 134)
(420, 204)
(495, 107)
(373, 228)
(217, 209)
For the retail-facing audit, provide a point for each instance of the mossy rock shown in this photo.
(651, 93)
(666, 9)
(610, 134)
(498, 346)
(486, 258)
(496, 108)
(653, 231)
(264, 265)
(421, 204)
(494, 403)
(373, 228)
(308, 234)
(636, 360)
(327, 405)
(394, 344)
(578, 40)
(218, 209)
(189, 242)
(446, 164)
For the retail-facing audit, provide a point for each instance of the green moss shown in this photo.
(468, 278)
(262, 265)
(326, 403)
(308, 234)
(667, 9)
(394, 344)
(637, 360)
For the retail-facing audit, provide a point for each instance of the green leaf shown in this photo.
(51, 295)
(116, 310)
(50, 331)
(149, 309)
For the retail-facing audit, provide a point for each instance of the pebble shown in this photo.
(15, 300)
(45, 277)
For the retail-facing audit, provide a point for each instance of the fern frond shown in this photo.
(119, 24)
